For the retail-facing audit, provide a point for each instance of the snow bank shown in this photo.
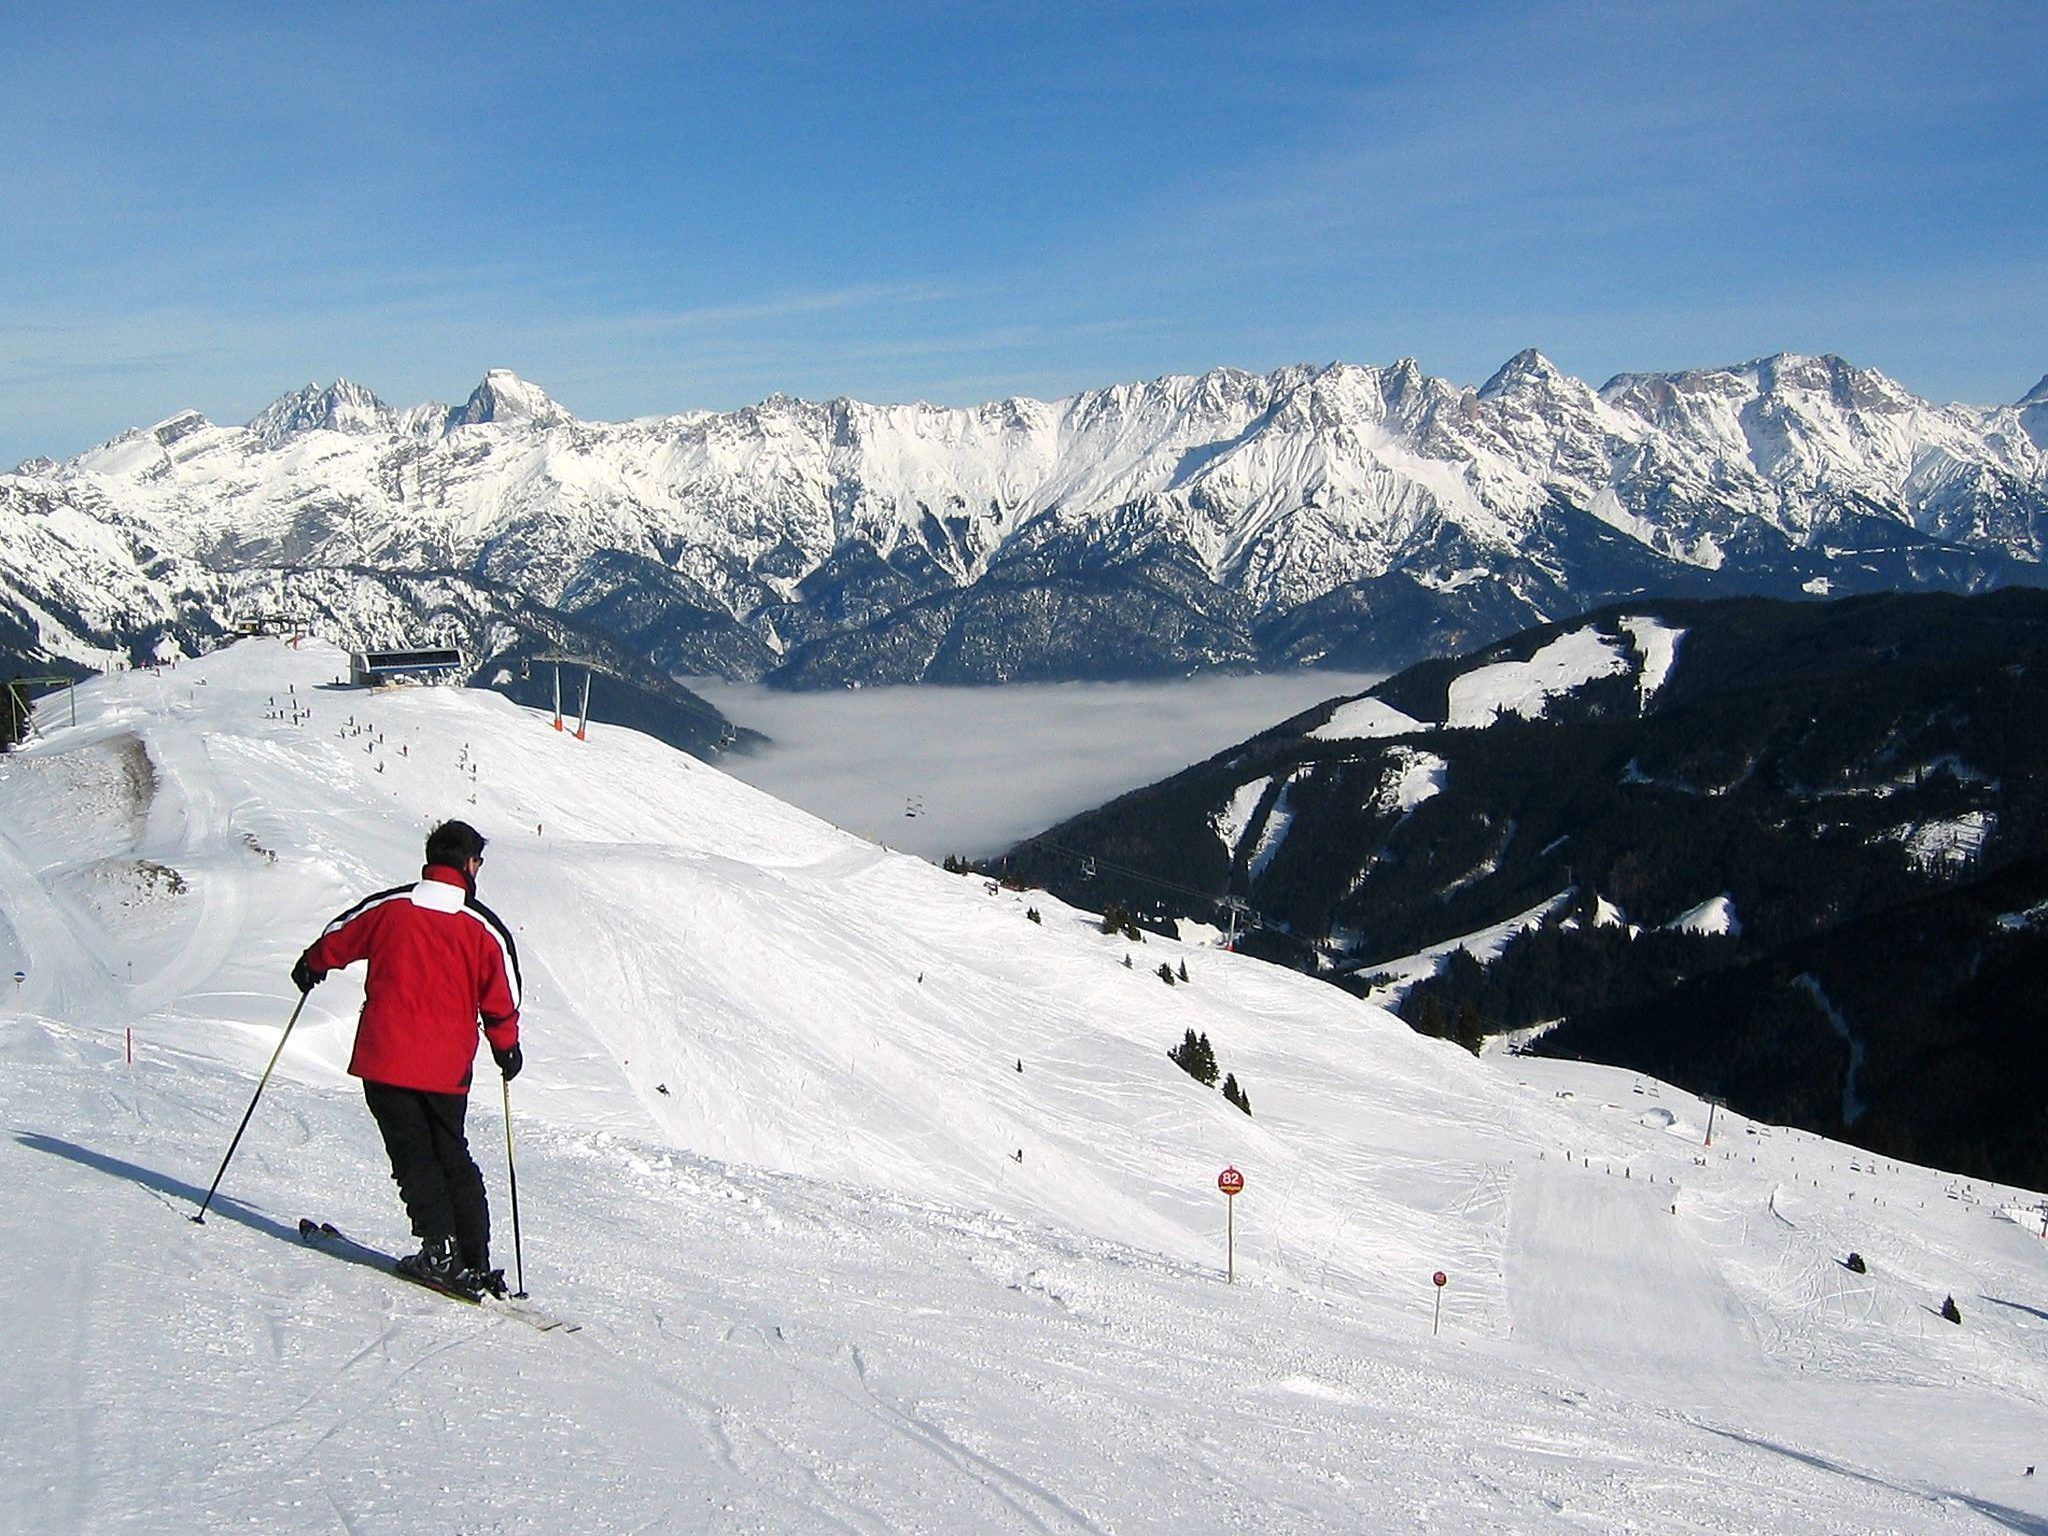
(1364, 720)
(1230, 822)
(1715, 915)
(1524, 688)
(1415, 776)
(1483, 945)
(1279, 822)
(1658, 643)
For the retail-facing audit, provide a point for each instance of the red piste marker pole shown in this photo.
(1439, 1280)
(1230, 1181)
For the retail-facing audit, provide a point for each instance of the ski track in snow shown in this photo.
(765, 1144)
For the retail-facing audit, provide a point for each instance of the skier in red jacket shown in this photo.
(439, 960)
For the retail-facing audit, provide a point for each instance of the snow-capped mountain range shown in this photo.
(1341, 514)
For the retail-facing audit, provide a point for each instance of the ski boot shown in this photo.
(438, 1266)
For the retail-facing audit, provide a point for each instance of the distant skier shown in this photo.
(439, 960)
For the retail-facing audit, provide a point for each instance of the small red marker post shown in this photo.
(1439, 1280)
(1230, 1181)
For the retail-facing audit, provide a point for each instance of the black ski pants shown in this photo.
(436, 1176)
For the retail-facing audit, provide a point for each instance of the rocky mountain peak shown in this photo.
(1848, 387)
(182, 425)
(1527, 369)
(341, 407)
(2033, 409)
(503, 397)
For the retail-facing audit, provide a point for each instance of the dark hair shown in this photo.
(454, 843)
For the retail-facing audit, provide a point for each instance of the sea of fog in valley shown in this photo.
(984, 767)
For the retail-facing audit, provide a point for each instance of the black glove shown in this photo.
(509, 1060)
(304, 977)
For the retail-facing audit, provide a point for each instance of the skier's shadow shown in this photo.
(174, 1190)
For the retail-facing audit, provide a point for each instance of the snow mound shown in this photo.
(1365, 720)
(1525, 688)
(1716, 915)
(1415, 776)
(1658, 642)
(1236, 816)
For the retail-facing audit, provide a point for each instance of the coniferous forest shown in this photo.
(1821, 841)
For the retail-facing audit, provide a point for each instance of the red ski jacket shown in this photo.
(439, 959)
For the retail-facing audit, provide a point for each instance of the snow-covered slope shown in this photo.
(841, 1263)
(1186, 522)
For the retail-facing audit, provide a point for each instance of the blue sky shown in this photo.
(653, 208)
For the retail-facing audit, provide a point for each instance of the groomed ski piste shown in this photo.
(839, 1265)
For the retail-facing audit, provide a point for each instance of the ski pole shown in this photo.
(512, 1177)
(251, 1110)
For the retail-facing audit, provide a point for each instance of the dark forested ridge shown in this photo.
(1818, 843)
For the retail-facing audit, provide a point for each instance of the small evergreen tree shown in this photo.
(1196, 1057)
(1183, 970)
(1032, 913)
(1951, 1311)
(1118, 919)
(1235, 1094)
(1166, 973)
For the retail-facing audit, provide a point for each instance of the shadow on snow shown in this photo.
(171, 1190)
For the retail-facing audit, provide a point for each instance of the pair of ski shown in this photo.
(327, 1235)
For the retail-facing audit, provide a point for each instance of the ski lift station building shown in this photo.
(374, 669)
